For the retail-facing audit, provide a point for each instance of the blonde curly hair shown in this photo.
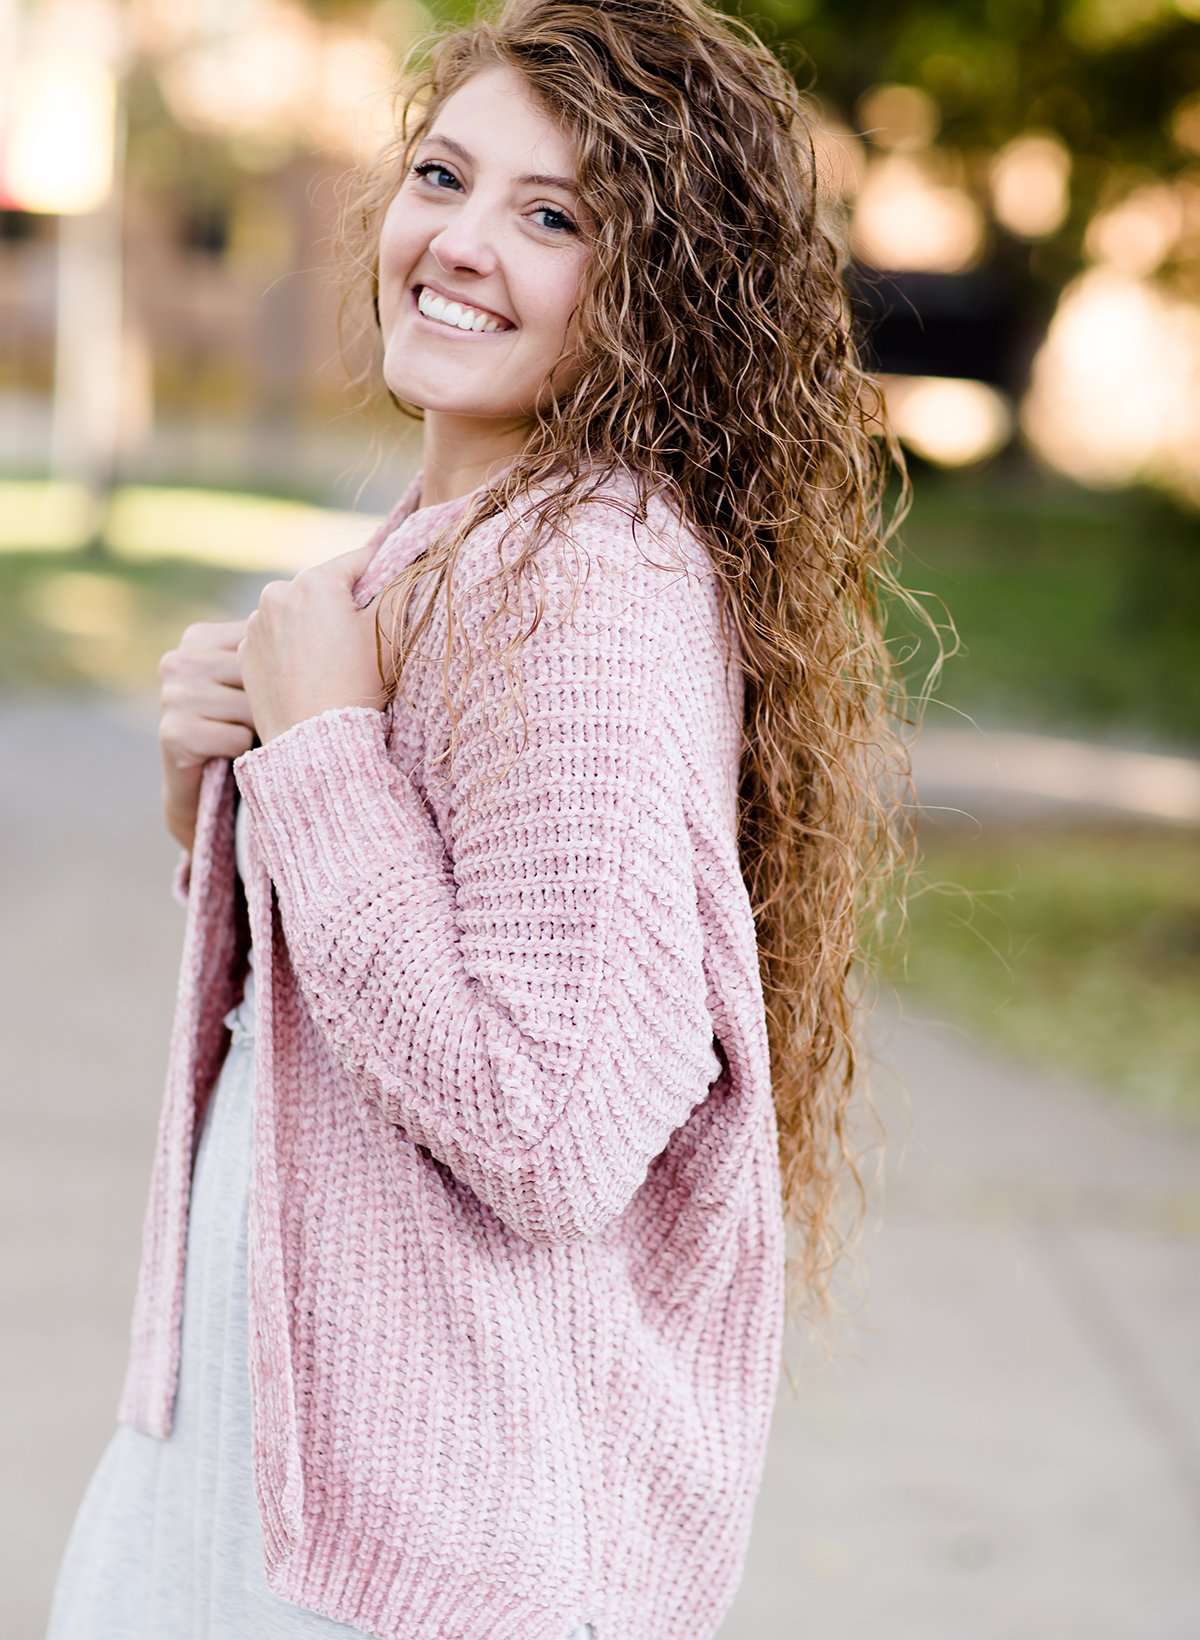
(717, 362)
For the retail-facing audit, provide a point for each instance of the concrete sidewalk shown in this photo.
(1010, 773)
(1002, 1443)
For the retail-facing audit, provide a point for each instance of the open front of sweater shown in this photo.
(516, 1240)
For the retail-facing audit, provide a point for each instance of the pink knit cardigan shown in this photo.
(516, 1235)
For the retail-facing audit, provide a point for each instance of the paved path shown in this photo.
(1002, 1441)
(1006, 772)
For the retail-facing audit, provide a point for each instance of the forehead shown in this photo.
(496, 116)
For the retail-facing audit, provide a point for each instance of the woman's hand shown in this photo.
(308, 646)
(205, 713)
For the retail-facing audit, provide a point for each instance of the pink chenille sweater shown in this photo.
(516, 1244)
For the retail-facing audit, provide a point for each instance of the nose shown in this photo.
(466, 242)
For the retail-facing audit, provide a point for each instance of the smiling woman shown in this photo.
(485, 219)
(538, 1031)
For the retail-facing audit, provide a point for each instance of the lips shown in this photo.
(502, 318)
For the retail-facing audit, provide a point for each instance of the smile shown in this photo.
(434, 313)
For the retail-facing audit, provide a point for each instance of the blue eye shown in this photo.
(429, 165)
(568, 225)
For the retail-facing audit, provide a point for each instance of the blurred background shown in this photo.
(1004, 1439)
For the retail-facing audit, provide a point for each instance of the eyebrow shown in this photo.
(540, 179)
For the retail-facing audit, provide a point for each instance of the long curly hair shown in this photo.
(718, 364)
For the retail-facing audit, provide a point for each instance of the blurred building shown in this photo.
(169, 178)
(232, 127)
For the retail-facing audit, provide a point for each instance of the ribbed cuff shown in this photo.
(330, 809)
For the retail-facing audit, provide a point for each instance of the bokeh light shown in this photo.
(1115, 390)
(951, 421)
(910, 215)
(1030, 177)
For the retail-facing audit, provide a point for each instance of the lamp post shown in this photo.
(64, 157)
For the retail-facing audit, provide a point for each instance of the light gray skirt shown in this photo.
(167, 1543)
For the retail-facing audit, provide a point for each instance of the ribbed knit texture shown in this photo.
(516, 1239)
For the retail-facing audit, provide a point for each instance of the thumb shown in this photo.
(348, 566)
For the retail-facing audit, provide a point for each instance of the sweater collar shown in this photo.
(428, 520)
(409, 528)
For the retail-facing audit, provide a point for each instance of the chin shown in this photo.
(449, 399)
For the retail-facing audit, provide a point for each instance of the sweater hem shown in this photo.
(395, 1595)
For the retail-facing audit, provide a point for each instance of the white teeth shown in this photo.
(457, 314)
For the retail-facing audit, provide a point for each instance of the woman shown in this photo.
(466, 1323)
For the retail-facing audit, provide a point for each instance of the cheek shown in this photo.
(557, 300)
(397, 242)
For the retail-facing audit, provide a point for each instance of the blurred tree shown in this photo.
(1103, 75)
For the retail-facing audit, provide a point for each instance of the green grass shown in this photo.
(1078, 612)
(67, 621)
(1071, 948)
(225, 529)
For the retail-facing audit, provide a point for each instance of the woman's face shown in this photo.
(474, 227)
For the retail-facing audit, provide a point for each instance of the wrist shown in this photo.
(271, 730)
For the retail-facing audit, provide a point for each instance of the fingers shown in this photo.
(213, 634)
(206, 711)
(189, 741)
(207, 699)
(192, 668)
(204, 683)
(227, 705)
(225, 667)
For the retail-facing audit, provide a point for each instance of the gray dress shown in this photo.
(167, 1543)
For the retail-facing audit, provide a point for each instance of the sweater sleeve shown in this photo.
(526, 996)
